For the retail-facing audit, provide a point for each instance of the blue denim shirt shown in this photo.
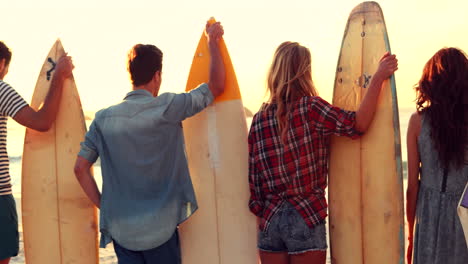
(146, 190)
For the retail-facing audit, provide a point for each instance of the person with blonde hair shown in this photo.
(288, 155)
(437, 143)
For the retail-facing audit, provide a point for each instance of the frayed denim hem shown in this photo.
(271, 251)
(295, 252)
(307, 250)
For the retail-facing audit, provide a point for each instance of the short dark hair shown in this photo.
(5, 53)
(143, 62)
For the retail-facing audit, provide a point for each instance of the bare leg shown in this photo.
(5, 261)
(273, 258)
(310, 257)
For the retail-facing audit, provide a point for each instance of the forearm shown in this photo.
(411, 201)
(48, 112)
(89, 186)
(217, 69)
(413, 186)
(366, 110)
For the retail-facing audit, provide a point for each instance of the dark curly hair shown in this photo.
(5, 53)
(442, 95)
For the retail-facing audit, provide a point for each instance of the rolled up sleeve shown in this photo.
(185, 105)
(333, 120)
(89, 149)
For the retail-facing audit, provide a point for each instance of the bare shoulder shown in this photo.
(414, 125)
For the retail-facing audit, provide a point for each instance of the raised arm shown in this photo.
(214, 32)
(387, 66)
(43, 119)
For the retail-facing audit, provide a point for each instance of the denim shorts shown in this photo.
(288, 232)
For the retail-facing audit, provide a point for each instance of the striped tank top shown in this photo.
(10, 103)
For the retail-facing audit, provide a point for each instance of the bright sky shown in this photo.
(98, 34)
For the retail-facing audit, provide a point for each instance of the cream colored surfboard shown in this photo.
(365, 188)
(59, 221)
(463, 214)
(222, 230)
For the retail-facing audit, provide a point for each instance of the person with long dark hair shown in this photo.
(437, 142)
(288, 155)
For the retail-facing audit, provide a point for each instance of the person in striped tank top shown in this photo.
(14, 106)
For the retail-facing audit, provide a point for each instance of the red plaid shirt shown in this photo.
(296, 171)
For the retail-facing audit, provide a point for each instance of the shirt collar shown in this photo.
(137, 93)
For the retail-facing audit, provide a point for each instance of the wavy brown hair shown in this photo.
(289, 79)
(442, 95)
(5, 53)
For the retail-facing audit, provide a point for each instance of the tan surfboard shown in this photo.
(366, 185)
(222, 230)
(462, 210)
(59, 221)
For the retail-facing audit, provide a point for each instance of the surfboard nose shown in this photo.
(211, 20)
(365, 8)
(199, 72)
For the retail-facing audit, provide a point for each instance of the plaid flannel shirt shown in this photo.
(295, 172)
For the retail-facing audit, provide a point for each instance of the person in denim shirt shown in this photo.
(147, 191)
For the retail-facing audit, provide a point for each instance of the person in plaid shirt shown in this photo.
(288, 155)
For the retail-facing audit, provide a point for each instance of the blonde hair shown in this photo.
(289, 79)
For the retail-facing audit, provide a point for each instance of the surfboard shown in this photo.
(462, 210)
(59, 221)
(222, 230)
(365, 179)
